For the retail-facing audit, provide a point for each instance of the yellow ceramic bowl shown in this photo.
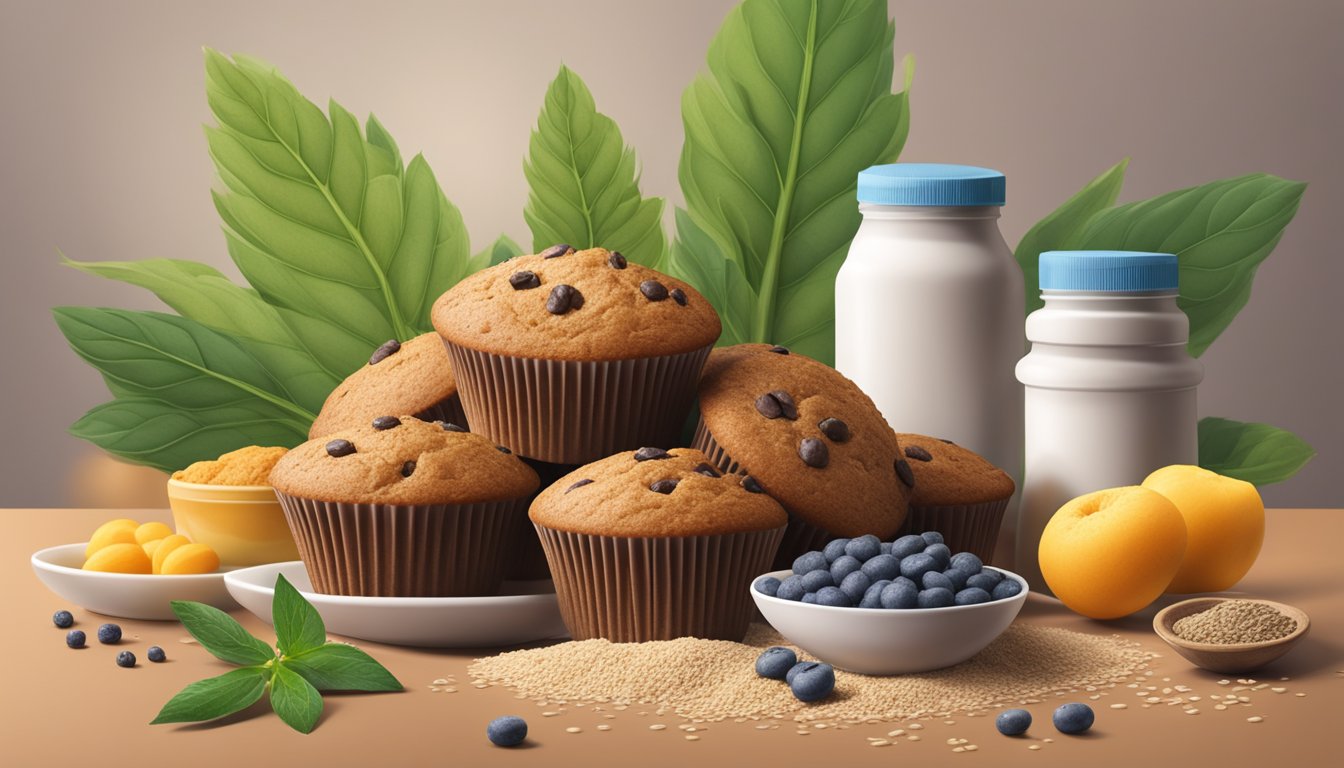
(243, 523)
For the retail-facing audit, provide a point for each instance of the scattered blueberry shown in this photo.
(985, 580)
(810, 597)
(815, 580)
(872, 598)
(900, 593)
(1013, 722)
(855, 586)
(834, 549)
(967, 561)
(1006, 589)
(1074, 718)
(915, 566)
(126, 659)
(156, 654)
(907, 546)
(768, 585)
(864, 548)
(934, 579)
(972, 596)
(791, 588)
(794, 670)
(507, 731)
(74, 638)
(958, 577)
(109, 633)
(940, 553)
(936, 598)
(844, 565)
(932, 537)
(834, 597)
(810, 561)
(882, 567)
(813, 682)
(775, 662)
(63, 619)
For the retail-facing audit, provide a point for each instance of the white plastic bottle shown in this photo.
(1110, 386)
(928, 311)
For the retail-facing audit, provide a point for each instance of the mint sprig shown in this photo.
(302, 664)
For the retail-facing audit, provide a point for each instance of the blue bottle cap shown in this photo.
(930, 184)
(1120, 271)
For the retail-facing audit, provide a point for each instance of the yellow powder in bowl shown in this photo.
(246, 466)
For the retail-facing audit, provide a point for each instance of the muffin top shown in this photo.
(811, 437)
(566, 305)
(652, 492)
(403, 460)
(947, 474)
(407, 377)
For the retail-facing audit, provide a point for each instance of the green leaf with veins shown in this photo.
(1257, 453)
(216, 696)
(339, 667)
(220, 634)
(295, 700)
(298, 626)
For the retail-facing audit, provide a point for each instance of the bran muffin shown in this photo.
(410, 377)
(568, 356)
(957, 492)
(810, 437)
(403, 507)
(655, 545)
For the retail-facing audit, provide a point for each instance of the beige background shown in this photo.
(101, 153)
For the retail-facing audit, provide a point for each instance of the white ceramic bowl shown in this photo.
(125, 595)
(524, 612)
(876, 641)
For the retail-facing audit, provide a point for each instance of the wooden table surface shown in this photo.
(64, 708)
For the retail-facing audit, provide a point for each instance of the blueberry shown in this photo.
(63, 619)
(775, 662)
(843, 566)
(794, 670)
(932, 537)
(109, 633)
(74, 638)
(900, 593)
(768, 585)
(507, 731)
(855, 586)
(882, 567)
(834, 549)
(936, 598)
(985, 580)
(864, 548)
(872, 598)
(834, 597)
(972, 596)
(813, 682)
(967, 562)
(815, 580)
(1006, 589)
(907, 546)
(791, 588)
(1013, 722)
(884, 548)
(810, 597)
(1074, 718)
(958, 577)
(934, 579)
(156, 654)
(915, 566)
(810, 561)
(940, 553)
(126, 659)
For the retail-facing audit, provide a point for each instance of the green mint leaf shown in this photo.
(1220, 231)
(1257, 453)
(215, 697)
(220, 634)
(296, 701)
(341, 667)
(701, 263)
(500, 251)
(298, 625)
(583, 182)
(1064, 225)
(796, 102)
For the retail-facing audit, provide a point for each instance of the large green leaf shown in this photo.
(1220, 231)
(583, 181)
(498, 252)
(320, 220)
(1064, 225)
(796, 102)
(1257, 453)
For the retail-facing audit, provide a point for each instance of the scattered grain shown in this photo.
(1300, 695)
(1119, 706)
(1279, 690)
(657, 727)
(573, 729)
(879, 743)
(1034, 747)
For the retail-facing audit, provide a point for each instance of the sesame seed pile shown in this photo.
(1235, 621)
(712, 680)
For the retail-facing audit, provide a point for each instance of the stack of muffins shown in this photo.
(576, 371)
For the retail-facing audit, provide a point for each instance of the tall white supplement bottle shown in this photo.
(1110, 386)
(928, 311)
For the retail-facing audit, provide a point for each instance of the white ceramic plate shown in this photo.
(125, 595)
(526, 611)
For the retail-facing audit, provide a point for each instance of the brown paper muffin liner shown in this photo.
(576, 411)
(384, 550)
(970, 528)
(527, 561)
(636, 589)
(449, 410)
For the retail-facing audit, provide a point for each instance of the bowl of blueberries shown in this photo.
(890, 608)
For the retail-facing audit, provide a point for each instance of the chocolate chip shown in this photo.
(814, 453)
(835, 429)
(559, 249)
(751, 484)
(648, 454)
(617, 260)
(769, 407)
(407, 468)
(945, 440)
(778, 350)
(503, 450)
(449, 426)
(579, 484)
(903, 472)
(786, 404)
(917, 453)
(339, 448)
(653, 290)
(388, 349)
(524, 280)
(663, 486)
(386, 422)
(706, 470)
(678, 296)
(563, 298)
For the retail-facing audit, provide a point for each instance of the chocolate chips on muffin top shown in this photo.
(339, 448)
(386, 350)
(617, 260)
(557, 250)
(524, 280)
(917, 453)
